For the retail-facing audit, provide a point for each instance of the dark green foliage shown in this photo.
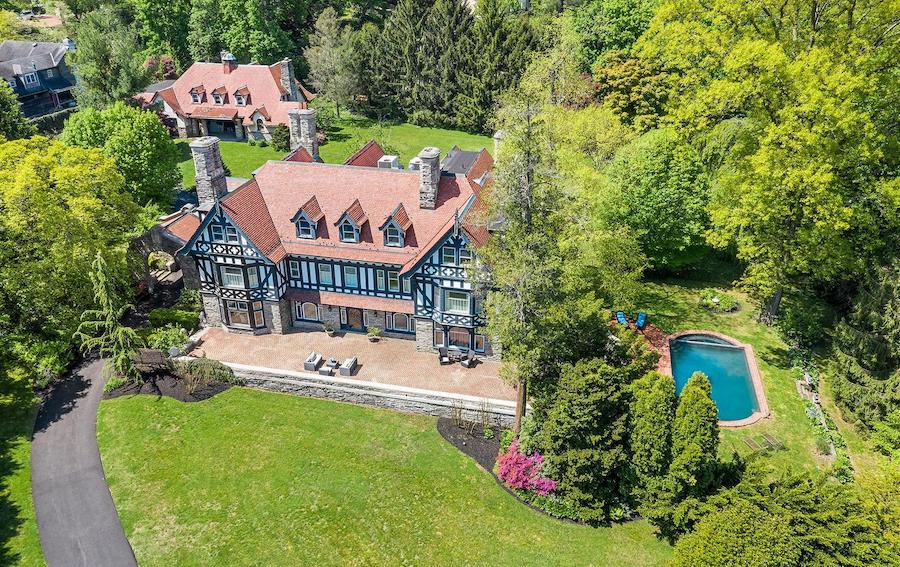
(634, 88)
(865, 365)
(795, 520)
(585, 438)
(163, 317)
(663, 194)
(164, 27)
(396, 65)
(109, 60)
(695, 439)
(205, 371)
(652, 414)
(13, 124)
(605, 25)
(886, 435)
(167, 337)
(281, 138)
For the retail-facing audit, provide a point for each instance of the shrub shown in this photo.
(374, 332)
(167, 337)
(163, 317)
(523, 472)
(263, 143)
(506, 438)
(718, 301)
(198, 372)
(45, 359)
(189, 300)
(281, 138)
(114, 382)
(158, 261)
(488, 433)
(251, 142)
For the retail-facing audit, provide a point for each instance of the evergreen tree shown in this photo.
(652, 414)
(695, 439)
(13, 124)
(585, 438)
(205, 28)
(396, 70)
(101, 328)
(446, 49)
(328, 57)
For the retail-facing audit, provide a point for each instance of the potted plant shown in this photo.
(328, 327)
(374, 333)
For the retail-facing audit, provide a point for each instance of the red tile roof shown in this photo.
(264, 207)
(214, 112)
(482, 165)
(352, 300)
(300, 154)
(367, 156)
(312, 210)
(401, 217)
(356, 213)
(181, 225)
(263, 82)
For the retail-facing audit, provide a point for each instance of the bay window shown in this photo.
(233, 276)
(456, 302)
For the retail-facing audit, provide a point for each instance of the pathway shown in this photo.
(76, 517)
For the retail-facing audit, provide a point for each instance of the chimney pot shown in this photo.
(429, 177)
(229, 62)
(209, 170)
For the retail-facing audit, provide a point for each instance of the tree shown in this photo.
(61, 205)
(250, 33)
(108, 60)
(81, 7)
(101, 328)
(794, 520)
(585, 438)
(328, 57)
(632, 87)
(661, 190)
(13, 123)
(695, 439)
(396, 69)
(652, 414)
(139, 144)
(205, 28)
(281, 138)
(164, 27)
(9, 26)
(886, 435)
(606, 25)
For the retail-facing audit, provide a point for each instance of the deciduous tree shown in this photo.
(13, 123)
(328, 57)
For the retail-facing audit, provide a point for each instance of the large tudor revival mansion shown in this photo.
(304, 244)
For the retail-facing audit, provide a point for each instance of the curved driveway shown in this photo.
(76, 517)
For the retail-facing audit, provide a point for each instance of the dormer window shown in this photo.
(240, 100)
(195, 98)
(393, 236)
(305, 229)
(349, 232)
(30, 79)
(217, 98)
(307, 219)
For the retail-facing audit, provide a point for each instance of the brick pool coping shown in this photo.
(665, 367)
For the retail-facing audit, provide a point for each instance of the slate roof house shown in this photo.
(229, 100)
(360, 244)
(38, 74)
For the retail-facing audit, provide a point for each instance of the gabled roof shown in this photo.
(300, 154)
(242, 90)
(367, 156)
(220, 90)
(197, 89)
(400, 218)
(479, 170)
(355, 213)
(20, 57)
(247, 208)
(182, 225)
(310, 210)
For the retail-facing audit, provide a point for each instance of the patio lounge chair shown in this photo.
(620, 317)
(325, 370)
(773, 441)
(641, 321)
(469, 361)
(443, 355)
(312, 361)
(349, 367)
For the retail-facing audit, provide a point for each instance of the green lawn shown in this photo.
(673, 306)
(19, 543)
(257, 478)
(347, 136)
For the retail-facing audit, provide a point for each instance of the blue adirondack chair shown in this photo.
(641, 320)
(620, 317)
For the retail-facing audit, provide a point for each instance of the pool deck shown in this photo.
(665, 367)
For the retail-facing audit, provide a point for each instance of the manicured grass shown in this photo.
(347, 136)
(19, 542)
(256, 478)
(673, 305)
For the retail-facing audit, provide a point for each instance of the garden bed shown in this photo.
(171, 387)
(483, 451)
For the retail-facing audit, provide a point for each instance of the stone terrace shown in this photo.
(388, 361)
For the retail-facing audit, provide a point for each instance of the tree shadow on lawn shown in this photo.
(17, 410)
(61, 397)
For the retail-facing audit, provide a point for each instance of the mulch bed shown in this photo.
(483, 451)
(170, 387)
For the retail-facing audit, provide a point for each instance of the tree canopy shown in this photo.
(13, 123)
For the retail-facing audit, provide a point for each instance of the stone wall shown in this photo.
(278, 315)
(212, 310)
(424, 335)
(409, 400)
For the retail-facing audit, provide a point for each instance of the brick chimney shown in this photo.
(429, 177)
(302, 124)
(229, 62)
(288, 83)
(210, 172)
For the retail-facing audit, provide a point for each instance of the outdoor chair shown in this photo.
(641, 321)
(349, 367)
(469, 361)
(325, 370)
(443, 355)
(620, 317)
(312, 361)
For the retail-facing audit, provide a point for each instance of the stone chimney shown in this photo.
(229, 62)
(288, 83)
(498, 138)
(429, 177)
(302, 124)
(209, 171)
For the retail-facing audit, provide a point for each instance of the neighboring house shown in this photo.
(38, 74)
(228, 100)
(305, 243)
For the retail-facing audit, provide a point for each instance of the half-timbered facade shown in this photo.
(309, 245)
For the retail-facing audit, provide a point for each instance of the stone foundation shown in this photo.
(408, 400)
(424, 335)
(212, 310)
(278, 316)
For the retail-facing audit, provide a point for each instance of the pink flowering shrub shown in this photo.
(523, 472)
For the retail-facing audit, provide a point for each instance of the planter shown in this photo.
(373, 339)
(330, 333)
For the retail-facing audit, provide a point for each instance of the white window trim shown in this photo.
(447, 302)
(240, 100)
(343, 235)
(326, 268)
(196, 98)
(379, 280)
(396, 277)
(223, 272)
(300, 311)
(452, 251)
(217, 232)
(407, 285)
(393, 236)
(252, 274)
(355, 277)
(230, 232)
(294, 269)
(30, 79)
(218, 99)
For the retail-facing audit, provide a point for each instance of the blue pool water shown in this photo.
(726, 367)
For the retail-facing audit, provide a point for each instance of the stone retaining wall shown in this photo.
(399, 398)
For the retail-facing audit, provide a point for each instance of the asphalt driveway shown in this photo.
(76, 517)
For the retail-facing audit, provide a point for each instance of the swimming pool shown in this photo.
(726, 365)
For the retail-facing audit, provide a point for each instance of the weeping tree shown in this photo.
(101, 328)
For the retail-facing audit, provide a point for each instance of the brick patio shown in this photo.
(389, 361)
